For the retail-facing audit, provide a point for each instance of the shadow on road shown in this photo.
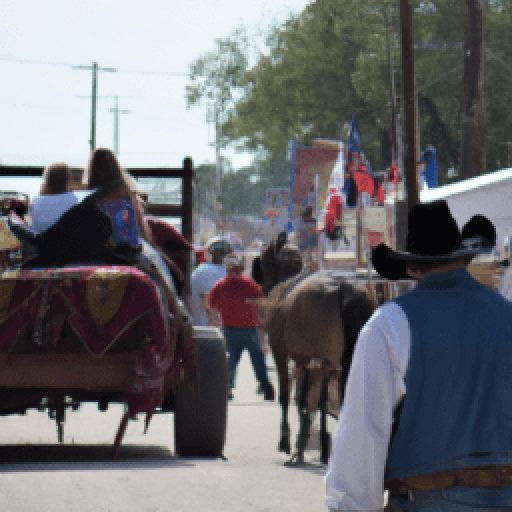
(50, 457)
(313, 467)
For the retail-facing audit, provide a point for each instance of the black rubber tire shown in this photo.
(200, 419)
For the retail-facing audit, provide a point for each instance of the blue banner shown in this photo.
(354, 137)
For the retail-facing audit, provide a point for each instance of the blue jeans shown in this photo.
(458, 499)
(237, 340)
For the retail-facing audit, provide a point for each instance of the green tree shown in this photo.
(331, 60)
(215, 77)
(498, 69)
(204, 189)
(322, 65)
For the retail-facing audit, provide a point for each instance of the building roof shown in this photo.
(466, 185)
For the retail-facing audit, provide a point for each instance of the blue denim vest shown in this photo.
(457, 411)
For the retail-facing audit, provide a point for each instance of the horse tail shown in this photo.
(355, 310)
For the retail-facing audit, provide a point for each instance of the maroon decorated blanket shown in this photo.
(94, 310)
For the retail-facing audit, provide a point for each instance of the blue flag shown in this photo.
(354, 136)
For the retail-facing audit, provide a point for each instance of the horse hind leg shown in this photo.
(284, 398)
(284, 440)
(325, 436)
(305, 417)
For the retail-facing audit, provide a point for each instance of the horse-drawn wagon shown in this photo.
(102, 334)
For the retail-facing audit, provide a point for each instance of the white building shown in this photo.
(489, 195)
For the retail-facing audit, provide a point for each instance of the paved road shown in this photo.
(36, 474)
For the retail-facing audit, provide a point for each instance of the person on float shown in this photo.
(131, 237)
(427, 412)
(350, 186)
(120, 202)
(365, 184)
(307, 234)
(55, 197)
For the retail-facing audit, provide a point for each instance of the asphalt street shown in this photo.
(39, 475)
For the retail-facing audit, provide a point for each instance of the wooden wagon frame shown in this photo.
(65, 380)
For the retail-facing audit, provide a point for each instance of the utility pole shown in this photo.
(94, 68)
(218, 172)
(392, 87)
(410, 105)
(116, 110)
(473, 161)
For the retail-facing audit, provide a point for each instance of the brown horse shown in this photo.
(313, 319)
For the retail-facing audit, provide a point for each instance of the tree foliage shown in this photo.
(216, 76)
(331, 60)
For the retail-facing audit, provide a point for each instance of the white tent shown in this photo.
(489, 194)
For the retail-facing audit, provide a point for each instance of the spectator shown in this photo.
(233, 297)
(427, 412)
(204, 277)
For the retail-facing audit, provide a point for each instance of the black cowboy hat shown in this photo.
(434, 237)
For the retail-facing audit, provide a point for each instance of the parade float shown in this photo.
(354, 206)
(101, 333)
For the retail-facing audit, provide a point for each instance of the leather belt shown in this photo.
(483, 476)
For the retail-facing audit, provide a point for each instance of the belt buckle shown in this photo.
(410, 495)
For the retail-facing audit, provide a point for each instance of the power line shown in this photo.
(15, 60)
(150, 72)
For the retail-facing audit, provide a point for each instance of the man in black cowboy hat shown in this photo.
(428, 408)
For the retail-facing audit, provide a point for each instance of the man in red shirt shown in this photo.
(233, 298)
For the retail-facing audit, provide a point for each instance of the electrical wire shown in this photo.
(15, 60)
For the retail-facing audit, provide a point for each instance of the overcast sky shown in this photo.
(45, 104)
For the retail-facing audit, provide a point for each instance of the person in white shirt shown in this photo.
(203, 279)
(55, 199)
(506, 282)
(427, 412)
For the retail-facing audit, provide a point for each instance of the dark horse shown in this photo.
(278, 261)
(313, 319)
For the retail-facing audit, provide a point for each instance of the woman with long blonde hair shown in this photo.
(104, 172)
(121, 200)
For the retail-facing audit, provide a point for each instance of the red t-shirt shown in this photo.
(228, 297)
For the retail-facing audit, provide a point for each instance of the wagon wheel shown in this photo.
(200, 415)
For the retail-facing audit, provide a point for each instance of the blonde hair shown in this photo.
(104, 169)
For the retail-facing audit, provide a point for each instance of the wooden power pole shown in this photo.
(392, 88)
(116, 111)
(473, 161)
(94, 68)
(410, 137)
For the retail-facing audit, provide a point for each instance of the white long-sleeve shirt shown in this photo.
(201, 282)
(355, 476)
(506, 284)
(46, 210)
